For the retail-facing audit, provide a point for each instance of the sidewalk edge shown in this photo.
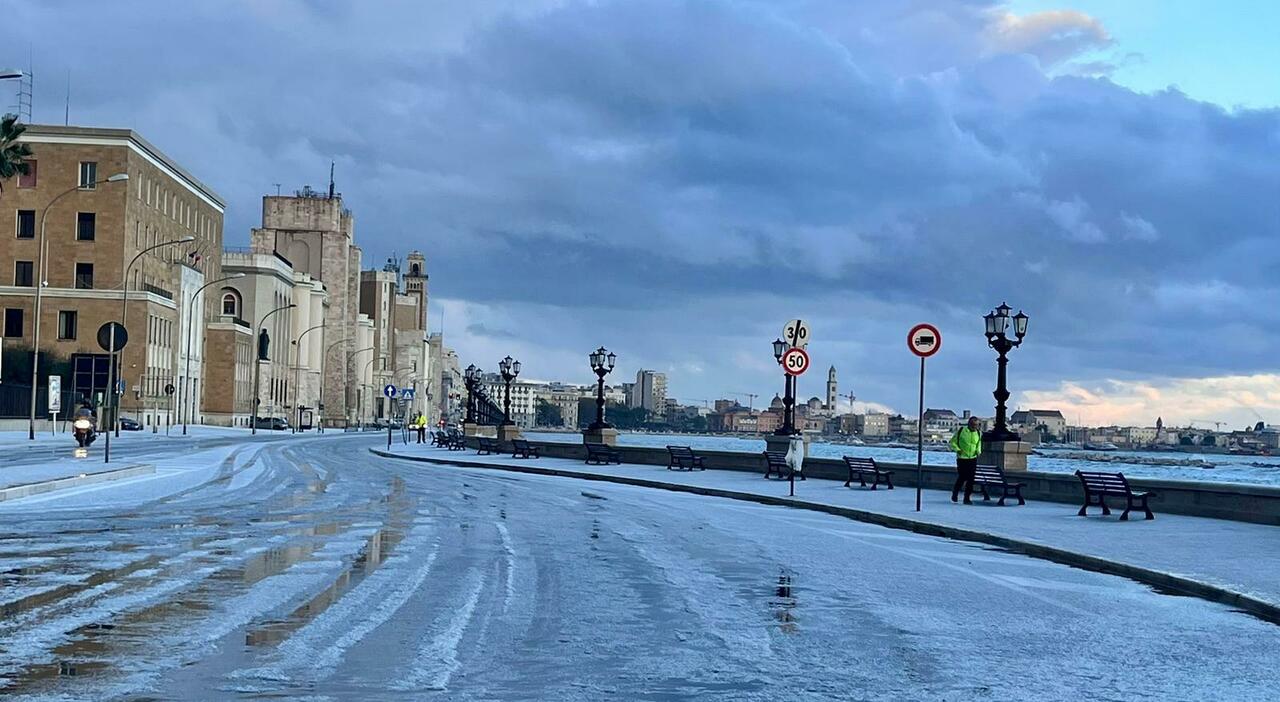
(15, 492)
(1180, 584)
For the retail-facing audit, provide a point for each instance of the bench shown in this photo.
(863, 467)
(439, 439)
(486, 446)
(456, 442)
(602, 454)
(993, 476)
(1099, 485)
(521, 448)
(683, 458)
(776, 462)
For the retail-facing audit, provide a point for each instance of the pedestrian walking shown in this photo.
(967, 443)
(421, 424)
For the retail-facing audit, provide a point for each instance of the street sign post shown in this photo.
(795, 361)
(407, 394)
(923, 340)
(389, 390)
(796, 334)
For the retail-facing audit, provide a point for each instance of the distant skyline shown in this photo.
(674, 179)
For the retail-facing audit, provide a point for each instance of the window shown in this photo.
(67, 324)
(22, 273)
(231, 304)
(26, 224)
(84, 276)
(29, 179)
(86, 224)
(88, 174)
(13, 323)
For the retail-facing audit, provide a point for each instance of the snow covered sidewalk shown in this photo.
(1236, 563)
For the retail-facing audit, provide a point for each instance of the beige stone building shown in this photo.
(93, 231)
(315, 233)
(399, 318)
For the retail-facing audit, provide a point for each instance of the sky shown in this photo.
(675, 179)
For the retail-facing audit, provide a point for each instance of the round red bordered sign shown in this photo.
(795, 361)
(924, 340)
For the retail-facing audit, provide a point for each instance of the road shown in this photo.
(308, 569)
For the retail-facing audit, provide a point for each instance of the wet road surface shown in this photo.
(310, 569)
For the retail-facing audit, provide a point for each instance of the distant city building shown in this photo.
(1052, 420)
(941, 420)
(650, 392)
(832, 394)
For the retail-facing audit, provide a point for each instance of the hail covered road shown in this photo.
(310, 569)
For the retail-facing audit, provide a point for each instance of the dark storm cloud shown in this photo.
(677, 178)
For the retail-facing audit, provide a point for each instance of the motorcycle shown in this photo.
(85, 429)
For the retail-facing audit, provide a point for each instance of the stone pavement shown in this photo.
(1235, 563)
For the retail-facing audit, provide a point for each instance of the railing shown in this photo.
(148, 287)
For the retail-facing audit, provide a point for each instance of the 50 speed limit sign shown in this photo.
(795, 361)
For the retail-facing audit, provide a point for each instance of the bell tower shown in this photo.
(831, 389)
(415, 284)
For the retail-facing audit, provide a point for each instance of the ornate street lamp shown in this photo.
(602, 362)
(510, 370)
(997, 324)
(788, 394)
(469, 377)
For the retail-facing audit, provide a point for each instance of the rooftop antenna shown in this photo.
(330, 180)
(66, 110)
(277, 189)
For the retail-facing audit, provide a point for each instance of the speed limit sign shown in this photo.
(796, 334)
(795, 361)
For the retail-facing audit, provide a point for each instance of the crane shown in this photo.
(851, 399)
(751, 397)
(1217, 426)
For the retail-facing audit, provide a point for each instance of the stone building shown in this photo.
(93, 233)
(832, 388)
(315, 233)
(399, 319)
(649, 392)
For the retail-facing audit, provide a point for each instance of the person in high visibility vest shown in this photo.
(421, 424)
(967, 444)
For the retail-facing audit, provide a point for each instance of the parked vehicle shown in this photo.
(85, 427)
(273, 423)
(127, 424)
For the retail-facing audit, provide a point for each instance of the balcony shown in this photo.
(154, 289)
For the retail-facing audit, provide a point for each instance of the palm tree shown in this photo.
(13, 155)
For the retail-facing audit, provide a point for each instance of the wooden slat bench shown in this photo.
(683, 458)
(456, 441)
(602, 454)
(439, 439)
(863, 467)
(993, 476)
(486, 446)
(521, 448)
(776, 462)
(1098, 485)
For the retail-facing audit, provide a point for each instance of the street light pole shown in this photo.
(788, 393)
(469, 381)
(371, 385)
(997, 323)
(257, 364)
(40, 282)
(510, 371)
(359, 385)
(602, 362)
(112, 397)
(297, 373)
(189, 399)
(320, 399)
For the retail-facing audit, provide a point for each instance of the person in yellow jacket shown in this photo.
(420, 424)
(967, 443)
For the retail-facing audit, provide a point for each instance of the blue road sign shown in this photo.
(120, 387)
(407, 394)
(389, 390)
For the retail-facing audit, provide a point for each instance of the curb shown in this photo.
(1180, 584)
(19, 491)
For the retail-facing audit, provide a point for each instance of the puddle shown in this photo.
(783, 603)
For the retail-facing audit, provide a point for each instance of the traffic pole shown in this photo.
(920, 439)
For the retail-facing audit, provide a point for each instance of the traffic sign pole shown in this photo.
(923, 340)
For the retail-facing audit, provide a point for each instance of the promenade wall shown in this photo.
(1246, 503)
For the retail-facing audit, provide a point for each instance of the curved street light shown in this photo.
(359, 386)
(257, 363)
(189, 400)
(113, 398)
(41, 282)
(297, 372)
(320, 398)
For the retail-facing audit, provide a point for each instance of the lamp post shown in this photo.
(351, 355)
(371, 386)
(997, 323)
(257, 363)
(788, 393)
(469, 377)
(320, 399)
(602, 362)
(40, 283)
(113, 398)
(297, 373)
(510, 370)
(189, 400)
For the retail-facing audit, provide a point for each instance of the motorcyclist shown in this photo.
(85, 426)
